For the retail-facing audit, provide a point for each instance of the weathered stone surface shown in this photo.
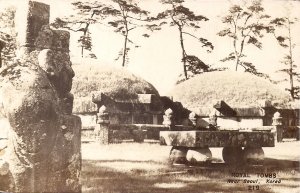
(232, 155)
(253, 155)
(138, 135)
(198, 155)
(43, 152)
(4, 167)
(217, 138)
(61, 40)
(168, 118)
(102, 134)
(224, 108)
(178, 155)
(178, 138)
(2, 44)
(105, 134)
(28, 26)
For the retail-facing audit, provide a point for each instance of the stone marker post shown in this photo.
(277, 122)
(44, 143)
(102, 133)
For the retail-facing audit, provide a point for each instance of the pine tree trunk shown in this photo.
(125, 50)
(82, 48)
(126, 38)
(0, 58)
(291, 64)
(183, 52)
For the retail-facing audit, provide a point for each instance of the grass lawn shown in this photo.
(133, 167)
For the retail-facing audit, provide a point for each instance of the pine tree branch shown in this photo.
(191, 35)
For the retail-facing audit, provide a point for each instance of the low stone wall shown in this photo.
(123, 124)
(291, 132)
(116, 133)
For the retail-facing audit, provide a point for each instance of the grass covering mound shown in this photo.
(117, 83)
(235, 88)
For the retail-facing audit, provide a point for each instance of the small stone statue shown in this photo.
(168, 118)
(193, 118)
(212, 121)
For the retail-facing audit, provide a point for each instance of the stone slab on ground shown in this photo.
(217, 138)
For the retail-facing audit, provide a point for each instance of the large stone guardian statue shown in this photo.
(43, 149)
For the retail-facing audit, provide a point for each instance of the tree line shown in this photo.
(246, 25)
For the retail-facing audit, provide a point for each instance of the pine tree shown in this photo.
(285, 24)
(184, 19)
(246, 26)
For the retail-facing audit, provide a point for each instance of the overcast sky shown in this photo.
(158, 58)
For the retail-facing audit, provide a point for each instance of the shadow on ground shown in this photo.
(124, 176)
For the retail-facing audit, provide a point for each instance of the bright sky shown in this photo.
(158, 60)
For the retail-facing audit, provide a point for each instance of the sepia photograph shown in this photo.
(149, 96)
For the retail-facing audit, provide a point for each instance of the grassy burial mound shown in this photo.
(235, 88)
(118, 84)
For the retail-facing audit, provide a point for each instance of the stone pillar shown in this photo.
(29, 19)
(193, 118)
(277, 122)
(168, 119)
(102, 133)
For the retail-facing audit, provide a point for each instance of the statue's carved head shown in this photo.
(59, 70)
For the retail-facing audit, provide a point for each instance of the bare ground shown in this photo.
(134, 167)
